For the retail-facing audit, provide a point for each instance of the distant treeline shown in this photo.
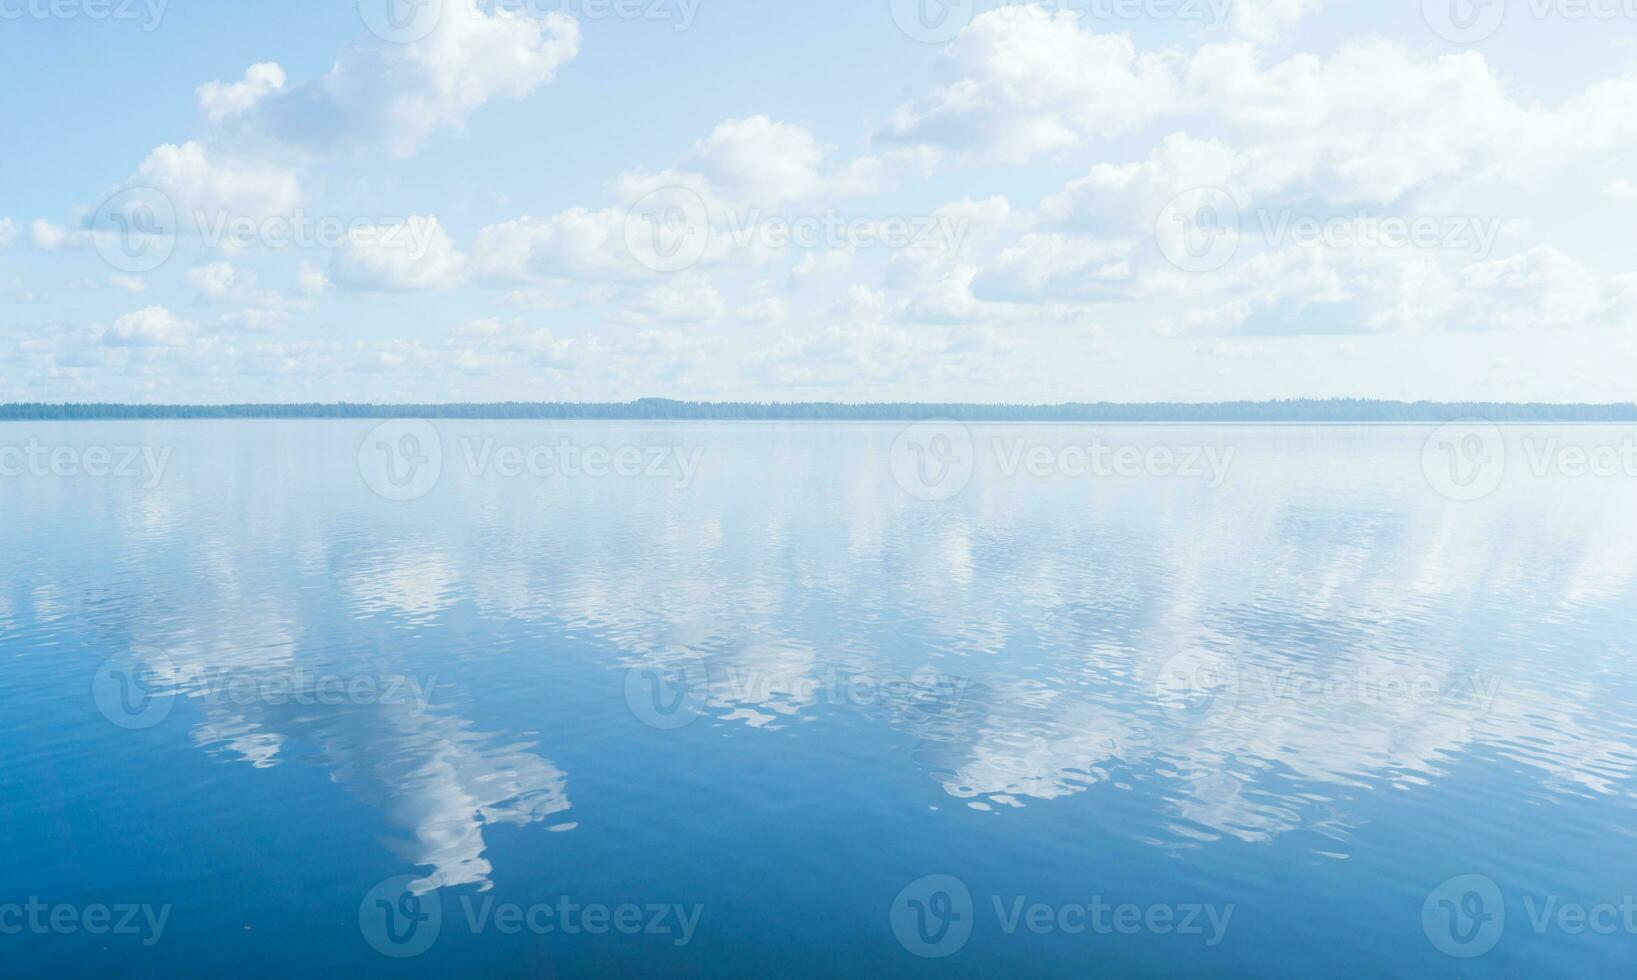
(1295, 410)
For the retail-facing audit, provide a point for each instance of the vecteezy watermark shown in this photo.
(1466, 916)
(402, 21)
(1468, 459)
(933, 917)
(669, 694)
(135, 229)
(1199, 686)
(939, 21)
(679, 14)
(935, 459)
(1203, 229)
(1101, 460)
(403, 460)
(670, 230)
(148, 13)
(1472, 21)
(34, 458)
(136, 688)
(1206, 687)
(410, 235)
(41, 918)
(401, 922)
(1465, 460)
(675, 464)
(672, 692)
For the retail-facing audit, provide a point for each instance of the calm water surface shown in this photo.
(789, 700)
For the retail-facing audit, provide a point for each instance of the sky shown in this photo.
(875, 200)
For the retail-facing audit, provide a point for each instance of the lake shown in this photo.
(723, 699)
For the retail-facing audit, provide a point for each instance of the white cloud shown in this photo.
(1372, 122)
(222, 100)
(1053, 266)
(685, 299)
(1128, 197)
(415, 254)
(394, 96)
(205, 185)
(213, 280)
(1267, 20)
(8, 232)
(153, 326)
(311, 280)
(1028, 81)
(49, 237)
(131, 284)
(760, 161)
(1621, 191)
(764, 311)
(575, 244)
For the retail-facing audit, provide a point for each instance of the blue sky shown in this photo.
(1097, 199)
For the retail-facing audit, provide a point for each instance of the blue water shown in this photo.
(761, 701)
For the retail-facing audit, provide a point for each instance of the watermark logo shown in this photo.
(40, 918)
(1464, 21)
(1203, 230)
(37, 459)
(409, 235)
(149, 12)
(680, 13)
(932, 21)
(678, 464)
(668, 230)
(1107, 461)
(1465, 460)
(1199, 229)
(1465, 916)
(399, 922)
(135, 230)
(932, 916)
(401, 21)
(671, 230)
(670, 695)
(135, 688)
(933, 459)
(401, 460)
(1199, 686)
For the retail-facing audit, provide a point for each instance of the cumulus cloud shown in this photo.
(219, 101)
(393, 96)
(1266, 21)
(576, 244)
(411, 255)
(1028, 81)
(685, 299)
(209, 188)
(153, 326)
(1053, 266)
(1372, 122)
(769, 311)
(213, 280)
